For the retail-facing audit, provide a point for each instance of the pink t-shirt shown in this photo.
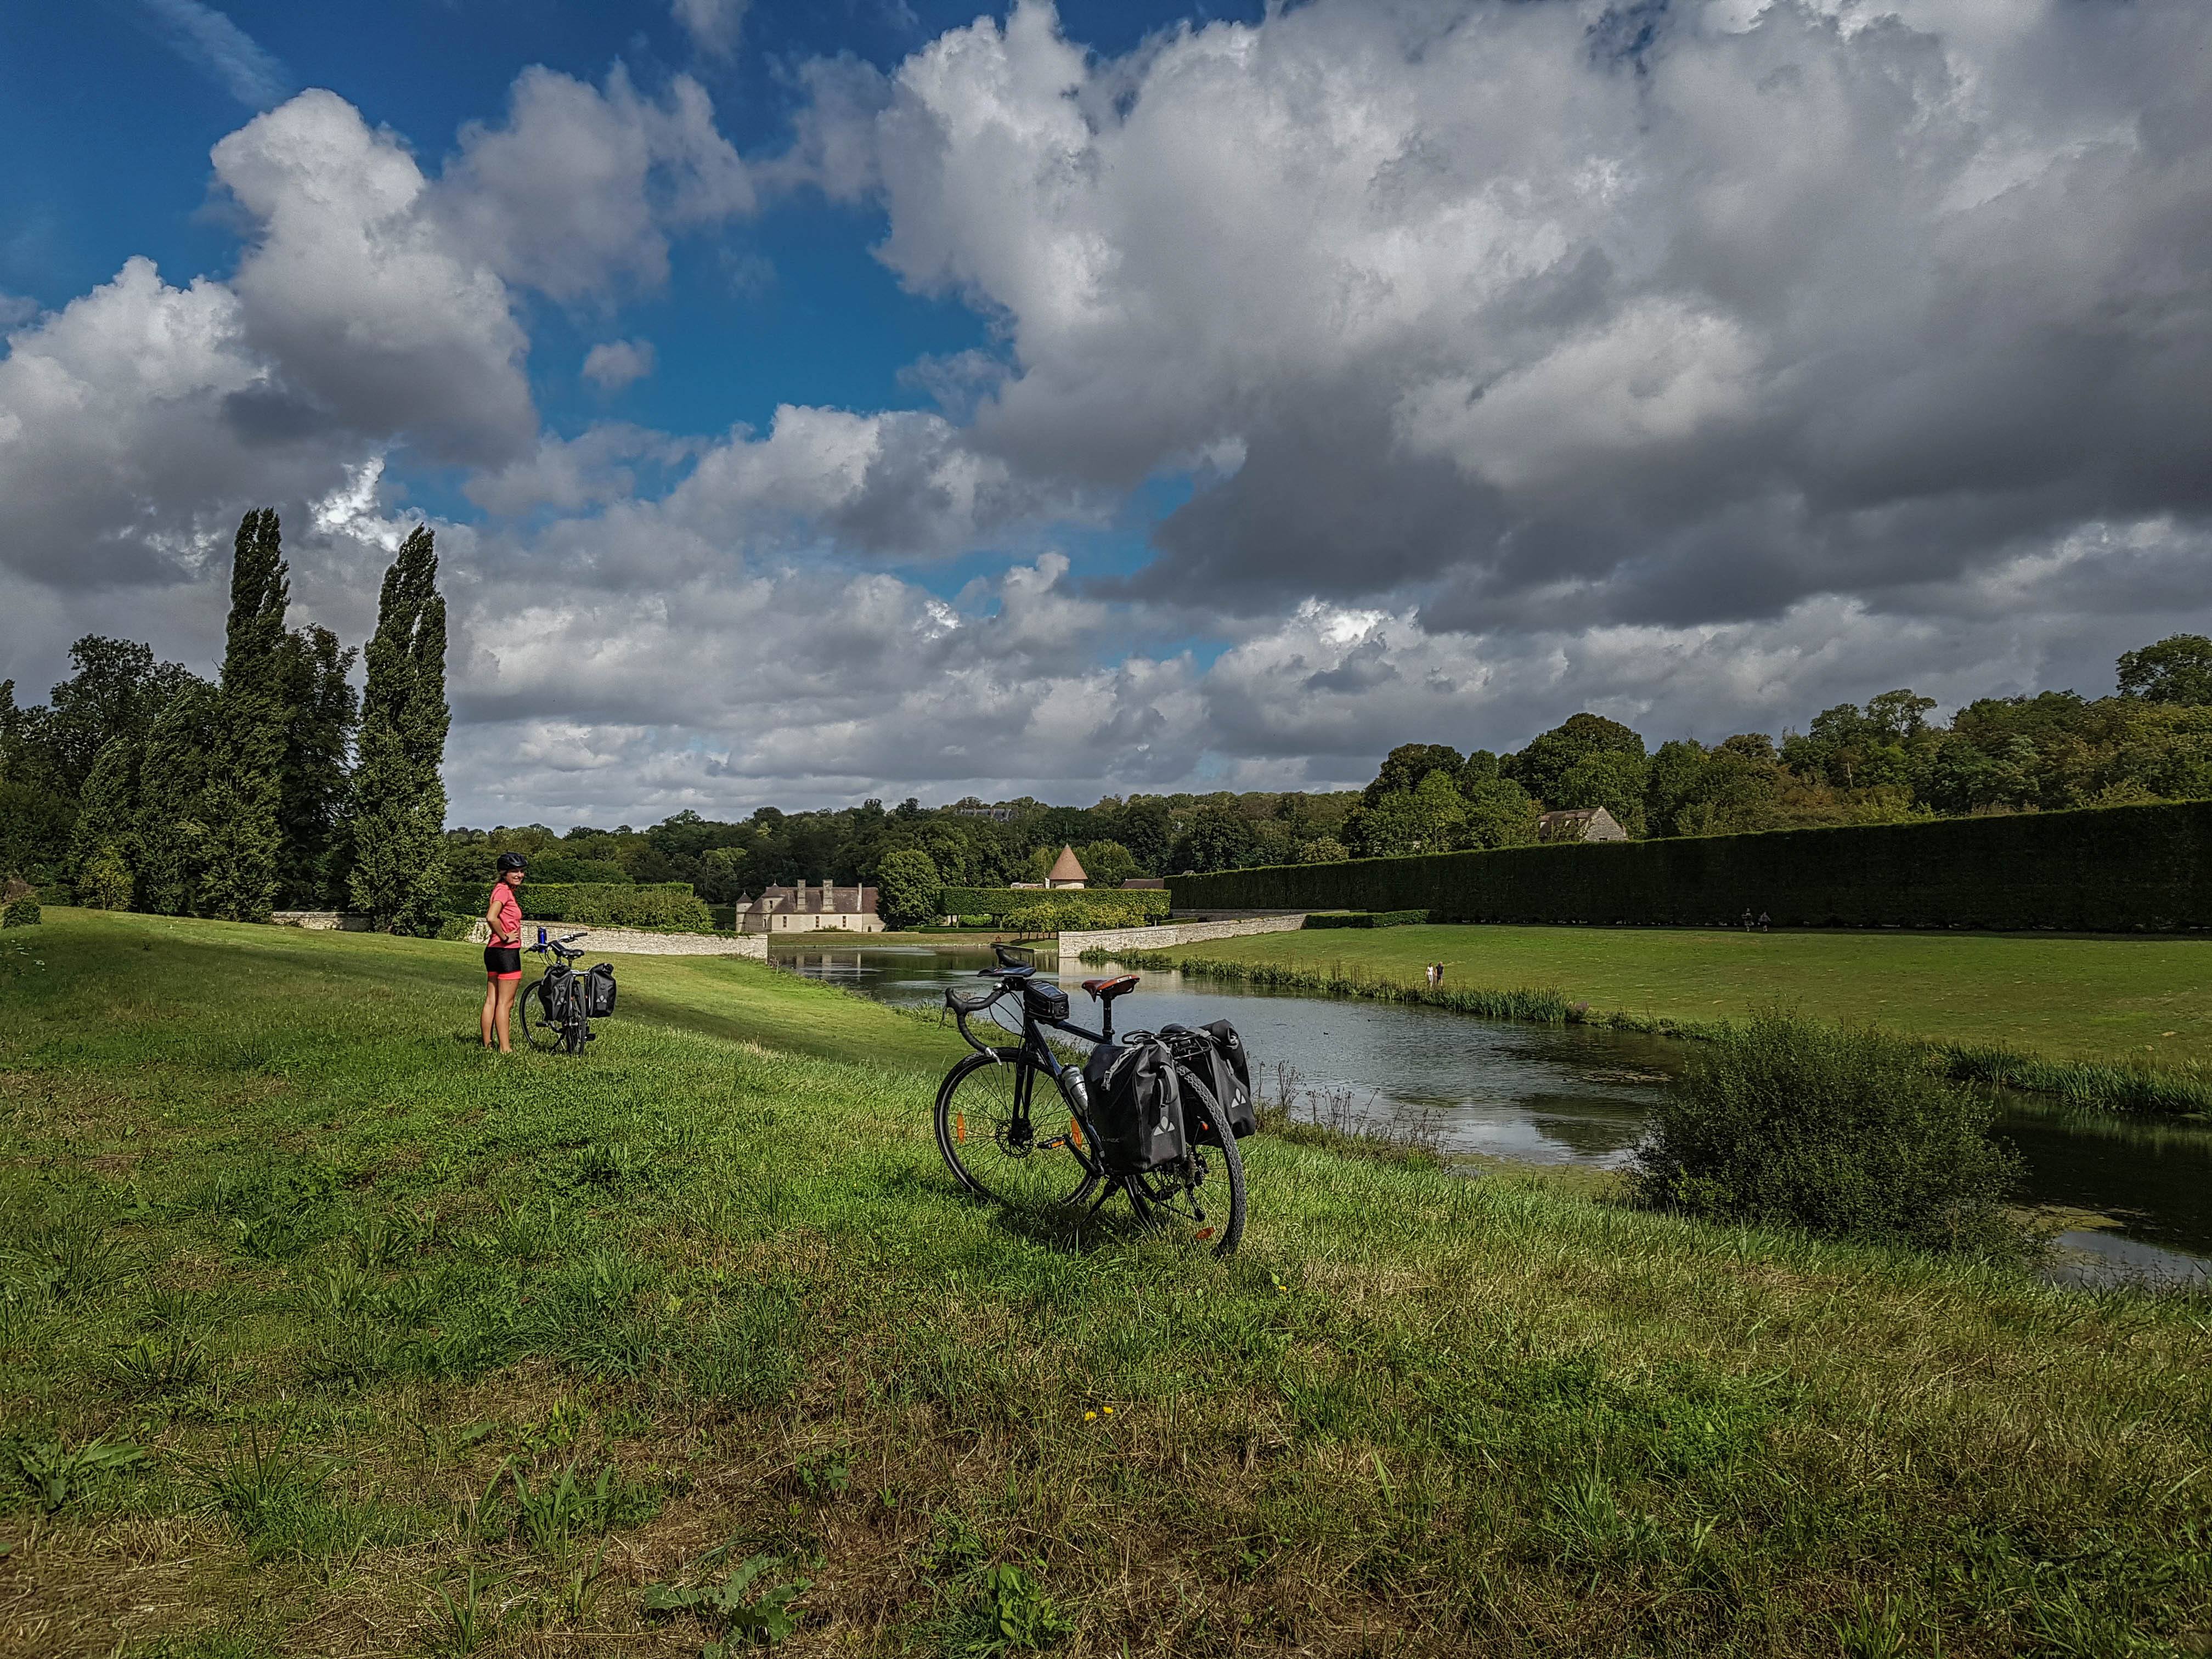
(506, 916)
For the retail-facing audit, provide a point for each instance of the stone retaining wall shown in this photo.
(322, 921)
(637, 942)
(1173, 934)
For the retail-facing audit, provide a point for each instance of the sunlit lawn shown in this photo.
(2065, 999)
(326, 1333)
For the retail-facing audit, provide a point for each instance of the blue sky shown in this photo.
(1103, 397)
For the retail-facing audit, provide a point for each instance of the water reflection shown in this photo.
(1581, 1095)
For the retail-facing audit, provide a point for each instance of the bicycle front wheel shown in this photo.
(1202, 1197)
(1008, 1133)
(537, 1031)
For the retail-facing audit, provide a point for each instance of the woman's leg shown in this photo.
(491, 1002)
(506, 989)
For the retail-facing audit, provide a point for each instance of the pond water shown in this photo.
(1579, 1094)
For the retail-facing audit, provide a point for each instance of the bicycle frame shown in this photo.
(1032, 1033)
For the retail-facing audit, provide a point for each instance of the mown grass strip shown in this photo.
(2129, 1086)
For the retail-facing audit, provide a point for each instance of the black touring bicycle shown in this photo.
(559, 1006)
(1154, 1114)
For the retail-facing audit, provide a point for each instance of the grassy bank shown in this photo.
(327, 1334)
(2123, 1022)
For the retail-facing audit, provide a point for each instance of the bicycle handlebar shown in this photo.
(962, 1006)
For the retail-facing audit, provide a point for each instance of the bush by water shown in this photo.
(1844, 1131)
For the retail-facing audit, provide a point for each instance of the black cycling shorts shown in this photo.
(503, 961)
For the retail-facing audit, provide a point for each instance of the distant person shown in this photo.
(1764, 922)
(1746, 919)
(503, 955)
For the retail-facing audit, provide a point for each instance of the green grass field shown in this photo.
(324, 1333)
(2107, 999)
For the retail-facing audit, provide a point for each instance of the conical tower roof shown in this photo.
(1066, 866)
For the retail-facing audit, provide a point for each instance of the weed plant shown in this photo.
(466, 1384)
(1786, 1122)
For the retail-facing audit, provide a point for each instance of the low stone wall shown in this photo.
(636, 941)
(322, 921)
(1173, 934)
(1212, 914)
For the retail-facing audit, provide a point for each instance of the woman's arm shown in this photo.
(491, 917)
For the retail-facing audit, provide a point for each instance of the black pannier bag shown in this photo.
(599, 991)
(554, 991)
(1216, 1054)
(1136, 1101)
(1045, 1000)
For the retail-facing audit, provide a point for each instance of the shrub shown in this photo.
(457, 927)
(20, 913)
(104, 882)
(1845, 1132)
(1113, 906)
(1072, 912)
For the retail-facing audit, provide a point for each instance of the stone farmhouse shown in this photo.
(806, 909)
(1580, 823)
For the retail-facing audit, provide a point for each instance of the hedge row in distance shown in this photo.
(2099, 869)
(1108, 904)
(1368, 919)
(598, 904)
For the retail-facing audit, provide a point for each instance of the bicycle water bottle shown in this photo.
(541, 939)
(1079, 1092)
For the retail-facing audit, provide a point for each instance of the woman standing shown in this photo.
(503, 955)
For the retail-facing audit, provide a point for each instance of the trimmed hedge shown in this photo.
(1368, 919)
(20, 913)
(598, 904)
(1109, 907)
(2096, 870)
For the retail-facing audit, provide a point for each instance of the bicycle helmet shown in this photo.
(512, 861)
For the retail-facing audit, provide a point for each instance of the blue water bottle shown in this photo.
(541, 939)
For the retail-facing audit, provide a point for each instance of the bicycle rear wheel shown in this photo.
(1202, 1197)
(1007, 1132)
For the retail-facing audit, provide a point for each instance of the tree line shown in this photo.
(276, 786)
(1882, 763)
(967, 843)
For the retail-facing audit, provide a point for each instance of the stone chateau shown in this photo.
(806, 907)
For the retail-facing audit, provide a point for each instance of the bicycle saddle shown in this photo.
(1105, 990)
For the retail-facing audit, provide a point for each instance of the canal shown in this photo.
(1580, 1095)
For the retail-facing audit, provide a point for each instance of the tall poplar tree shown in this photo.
(173, 794)
(311, 815)
(104, 851)
(242, 841)
(400, 795)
